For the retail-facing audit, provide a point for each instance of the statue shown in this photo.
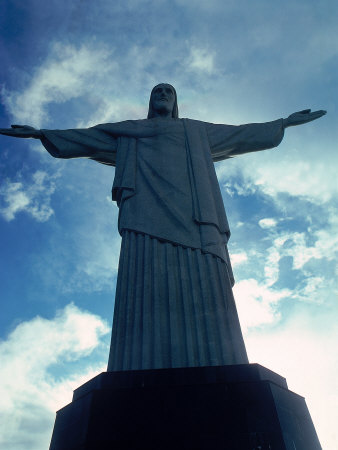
(174, 305)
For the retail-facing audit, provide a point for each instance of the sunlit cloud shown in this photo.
(304, 351)
(297, 176)
(257, 303)
(30, 391)
(238, 258)
(267, 223)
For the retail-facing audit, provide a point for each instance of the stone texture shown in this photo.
(174, 307)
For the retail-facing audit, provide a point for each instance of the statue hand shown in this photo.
(300, 117)
(21, 131)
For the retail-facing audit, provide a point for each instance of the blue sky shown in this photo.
(75, 64)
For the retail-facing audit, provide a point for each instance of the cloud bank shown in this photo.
(30, 389)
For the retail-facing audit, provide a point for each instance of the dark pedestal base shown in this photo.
(243, 407)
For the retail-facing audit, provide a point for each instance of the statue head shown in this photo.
(163, 99)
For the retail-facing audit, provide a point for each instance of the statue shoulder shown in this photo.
(194, 124)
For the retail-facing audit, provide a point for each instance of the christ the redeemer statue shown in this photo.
(174, 305)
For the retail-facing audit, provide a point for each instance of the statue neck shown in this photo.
(162, 115)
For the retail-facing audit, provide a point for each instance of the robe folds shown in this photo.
(170, 207)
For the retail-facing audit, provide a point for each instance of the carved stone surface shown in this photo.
(174, 305)
(167, 190)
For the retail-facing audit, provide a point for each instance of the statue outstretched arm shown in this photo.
(227, 141)
(300, 117)
(21, 131)
(94, 143)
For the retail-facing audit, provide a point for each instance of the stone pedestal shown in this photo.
(241, 407)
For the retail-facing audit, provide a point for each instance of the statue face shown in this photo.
(163, 99)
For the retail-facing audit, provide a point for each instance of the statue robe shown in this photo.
(174, 305)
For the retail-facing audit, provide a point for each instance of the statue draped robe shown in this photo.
(173, 305)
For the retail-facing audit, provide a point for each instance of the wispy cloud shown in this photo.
(31, 197)
(314, 181)
(296, 244)
(30, 394)
(68, 72)
(201, 59)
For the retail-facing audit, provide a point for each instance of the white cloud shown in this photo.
(327, 239)
(271, 269)
(304, 350)
(238, 258)
(68, 72)
(30, 394)
(313, 285)
(201, 59)
(300, 252)
(298, 179)
(32, 198)
(324, 246)
(257, 303)
(297, 175)
(287, 170)
(267, 223)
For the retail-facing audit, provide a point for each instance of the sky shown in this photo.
(76, 64)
